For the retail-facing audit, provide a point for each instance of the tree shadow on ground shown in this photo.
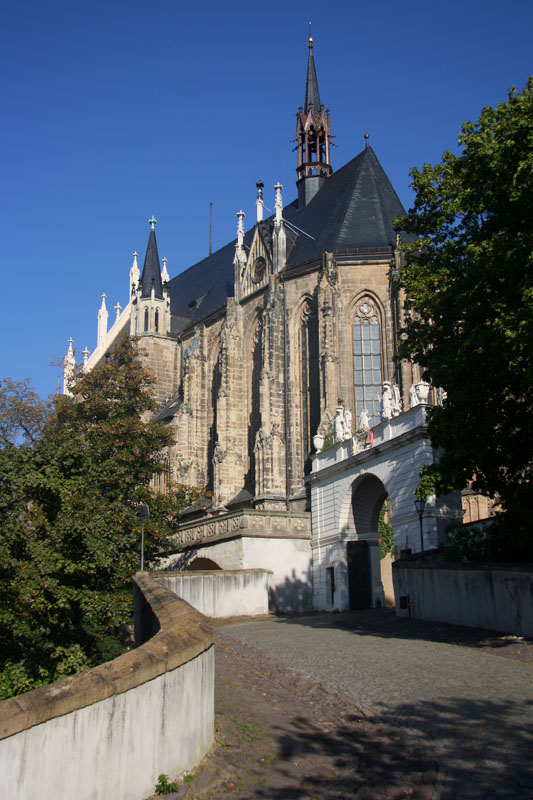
(313, 742)
(285, 735)
(485, 746)
(482, 753)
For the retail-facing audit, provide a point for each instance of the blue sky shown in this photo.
(114, 111)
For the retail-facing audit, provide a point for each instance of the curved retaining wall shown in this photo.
(110, 731)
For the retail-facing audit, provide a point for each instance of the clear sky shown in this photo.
(114, 111)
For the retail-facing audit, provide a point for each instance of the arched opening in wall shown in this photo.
(201, 563)
(309, 380)
(368, 514)
(156, 321)
(368, 358)
(146, 319)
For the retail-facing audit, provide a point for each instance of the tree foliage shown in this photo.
(69, 537)
(468, 281)
(22, 413)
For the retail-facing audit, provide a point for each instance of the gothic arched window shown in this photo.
(254, 409)
(309, 377)
(367, 360)
(146, 319)
(156, 321)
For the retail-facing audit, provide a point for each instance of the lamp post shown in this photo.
(143, 512)
(420, 506)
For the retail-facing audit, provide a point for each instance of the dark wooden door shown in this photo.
(359, 583)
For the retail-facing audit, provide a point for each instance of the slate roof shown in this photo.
(151, 270)
(353, 209)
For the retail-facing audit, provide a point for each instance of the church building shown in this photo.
(255, 348)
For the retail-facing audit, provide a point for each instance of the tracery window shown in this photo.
(367, 360)
(309, 378)
(254, 418)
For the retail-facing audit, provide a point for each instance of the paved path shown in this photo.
(472, 706)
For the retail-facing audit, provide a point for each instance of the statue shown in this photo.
(386, 401)
(364, 420)
(338, 425)
(441, 396)
(413, 397)
(347, 423)
(396, 401)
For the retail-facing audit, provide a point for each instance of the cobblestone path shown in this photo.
(446, 685)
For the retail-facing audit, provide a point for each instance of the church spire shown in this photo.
(313, 134)
(151, 275)
(312, 95)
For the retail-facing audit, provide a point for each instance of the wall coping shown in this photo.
(190, 573)
(184, 634)
(472, 566)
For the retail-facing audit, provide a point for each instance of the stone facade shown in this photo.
(254, 348)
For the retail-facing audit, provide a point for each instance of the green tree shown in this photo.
(22, 412)
(69, 537)
(468, 281)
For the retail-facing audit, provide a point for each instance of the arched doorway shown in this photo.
(347, 493)
(363, 560)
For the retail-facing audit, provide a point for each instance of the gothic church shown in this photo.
(254, 346)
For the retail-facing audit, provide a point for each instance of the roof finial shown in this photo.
(165, 277)
(69, 366)
(279, 203)
(310, 38)
(367, 137)
(211, 228)
(240, 229)
(259, 202)
(152, 222)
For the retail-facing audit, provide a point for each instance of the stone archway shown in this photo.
(347, 491)
(359, 583)
(200, 563)
(363, 558)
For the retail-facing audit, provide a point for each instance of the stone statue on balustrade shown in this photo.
(347, 423)
(338, 425)
(396, 401)
(364, 420)
(385, 399)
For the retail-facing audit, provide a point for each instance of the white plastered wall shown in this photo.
(400, 448)
(289, 560)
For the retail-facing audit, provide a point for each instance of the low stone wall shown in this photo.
(221, 593)
(496, 597)
(109, 732)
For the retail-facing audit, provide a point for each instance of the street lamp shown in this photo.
(420, 506)
(143, 512)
